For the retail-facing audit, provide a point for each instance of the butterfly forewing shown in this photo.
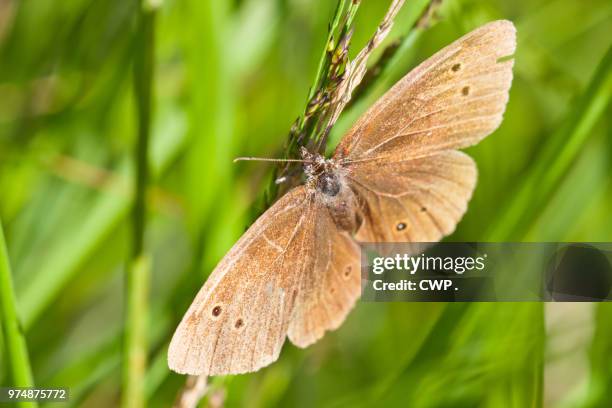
(238, 321)
(450, 101)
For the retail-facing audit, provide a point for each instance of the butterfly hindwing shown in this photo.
(414, 200)
(330, 289)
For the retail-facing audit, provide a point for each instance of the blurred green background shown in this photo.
(230, 78)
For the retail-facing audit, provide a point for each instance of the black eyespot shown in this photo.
(465, 91)
(216, 311)
(239, 323)
(456, 67)
(401, 226)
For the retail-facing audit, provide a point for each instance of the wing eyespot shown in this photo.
(456, 67)
(216, 311)
(400, 226)
(348, 270)
(239, 324)
(465, 91)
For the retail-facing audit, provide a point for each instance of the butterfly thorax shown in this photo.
(327, 179)
(322, 175)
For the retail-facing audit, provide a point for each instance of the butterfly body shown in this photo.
(396, 176)
(327, 180)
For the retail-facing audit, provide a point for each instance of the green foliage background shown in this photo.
(230, 78)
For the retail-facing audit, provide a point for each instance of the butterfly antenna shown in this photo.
(237, 159)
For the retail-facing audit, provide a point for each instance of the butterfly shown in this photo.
(397, 175)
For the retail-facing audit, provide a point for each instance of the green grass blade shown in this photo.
(557, 157)
(14, 338)
(139, 269)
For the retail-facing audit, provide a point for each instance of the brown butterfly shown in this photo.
(396, 176)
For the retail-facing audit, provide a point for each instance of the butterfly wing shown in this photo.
(277, 278)
(414, 200)
(330, 289)
(238, 321)
(452, 100)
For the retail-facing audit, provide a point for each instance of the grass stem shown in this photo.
(17, 350)
(138, 270)
(323, 62)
